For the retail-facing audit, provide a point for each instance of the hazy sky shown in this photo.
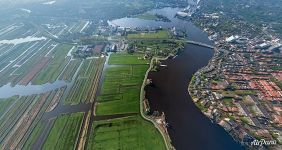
(4, 3)
(20, 1)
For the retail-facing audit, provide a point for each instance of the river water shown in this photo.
(190, 129)
(193, 32)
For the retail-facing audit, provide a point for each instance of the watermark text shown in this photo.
(263, 142)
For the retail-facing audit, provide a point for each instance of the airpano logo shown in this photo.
(263, 142)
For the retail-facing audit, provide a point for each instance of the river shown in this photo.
(190, 128)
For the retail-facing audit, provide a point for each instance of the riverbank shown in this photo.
(165, 135)
(190, 84)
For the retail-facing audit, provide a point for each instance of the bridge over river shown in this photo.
(199, 44)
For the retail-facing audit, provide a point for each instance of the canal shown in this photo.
(8, 90)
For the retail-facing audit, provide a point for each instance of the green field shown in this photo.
(32, 61)
(9, 119)
(14, 52)
(64, 132)
(34, 136)
(126, 133)
(162, 34)
(20, 119)
(70, 70)
(5, 104)
(127, 59)
(81, 91)
(156, 47)
(51, 72)
(121, 89)
(26, 62)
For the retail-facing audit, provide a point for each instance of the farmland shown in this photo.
(14, 58)
(31, 61)
(9, 119)
(64, 132)
(86, 82)
(120, 90)
(155, 47)
(120, 94)
(6, 103)
(25, 120)
(162, 34)
(53, 101)
(37, 68)
(34, 135)
(127, 59)
(70, 70)
(51, 72)
(35, 58)
(21, 118)
(125, 133)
